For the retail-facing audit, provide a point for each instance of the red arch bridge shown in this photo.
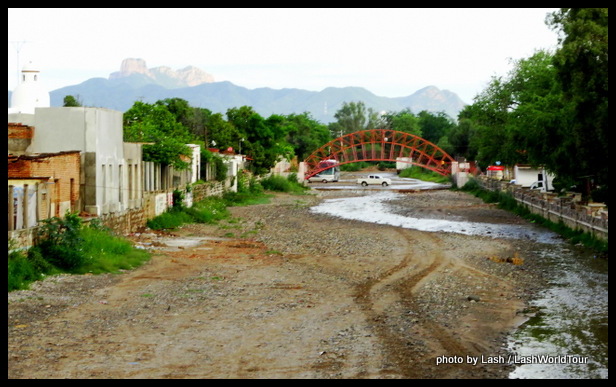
(378, 145)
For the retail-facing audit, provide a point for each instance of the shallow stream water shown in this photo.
(568, 336)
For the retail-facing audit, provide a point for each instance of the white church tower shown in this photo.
(29, 94)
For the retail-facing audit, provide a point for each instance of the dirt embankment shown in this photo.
(280, 292)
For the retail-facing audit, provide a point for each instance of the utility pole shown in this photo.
(18, 46)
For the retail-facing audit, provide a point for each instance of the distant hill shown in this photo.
(134, 82)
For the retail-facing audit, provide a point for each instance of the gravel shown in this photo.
(380, 297)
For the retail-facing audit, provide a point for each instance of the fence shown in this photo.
(591, 217)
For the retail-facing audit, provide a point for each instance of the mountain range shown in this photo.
(135, 82)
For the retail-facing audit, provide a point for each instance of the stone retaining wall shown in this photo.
(129, 220)
(591, 217)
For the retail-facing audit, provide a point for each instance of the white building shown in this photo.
(534, 178)
(30, 93)
(110, 169)
(112, 172)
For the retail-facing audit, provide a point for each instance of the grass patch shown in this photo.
(209, 210)
(107, 253)
(68, 246)
(281, 184)
(424, 174)
(22, 270)
(236, 199)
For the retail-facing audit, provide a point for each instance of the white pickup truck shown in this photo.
(374, 179)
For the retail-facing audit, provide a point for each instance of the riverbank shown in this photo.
(283, 292)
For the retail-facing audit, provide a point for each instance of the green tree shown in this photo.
(462, 135)
(305, 134)
(434, 125)
(70, 101)
(537, 118)
(376, 120)
(194, 119)
(154, 123)
(221, 133)
(351, 117)
(582, 69)
(264, 139)
(490, 115)
(404, 121)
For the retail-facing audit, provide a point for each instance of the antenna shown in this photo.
(18, 46)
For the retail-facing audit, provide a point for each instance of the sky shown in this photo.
(392, 52)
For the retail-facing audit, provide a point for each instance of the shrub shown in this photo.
(424, 174)
(67, 246)
(35, 256)
(282, 184)
(21, 271)
(209, 210)
(171, 219)
(61, 245)
(276, 183)
(178, 199)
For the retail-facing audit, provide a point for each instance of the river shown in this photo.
(567, 338)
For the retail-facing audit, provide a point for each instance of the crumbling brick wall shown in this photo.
(63, 168)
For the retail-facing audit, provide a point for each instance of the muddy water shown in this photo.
(568, 335)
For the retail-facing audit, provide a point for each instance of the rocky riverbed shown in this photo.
(280, 291)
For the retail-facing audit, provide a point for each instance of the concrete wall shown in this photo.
(97, 133)
(131, 185)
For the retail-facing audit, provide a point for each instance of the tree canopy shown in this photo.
(168, 125)
(551, 109)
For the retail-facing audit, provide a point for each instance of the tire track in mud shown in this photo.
(398, 324)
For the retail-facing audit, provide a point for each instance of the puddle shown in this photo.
(176, 243)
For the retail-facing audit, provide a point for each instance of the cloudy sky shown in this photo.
(391, 52)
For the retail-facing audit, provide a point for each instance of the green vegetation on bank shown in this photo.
(425, 175)
(69, 246)
(507, 202)
(250, 191)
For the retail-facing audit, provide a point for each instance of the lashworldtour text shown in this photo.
(545, 359)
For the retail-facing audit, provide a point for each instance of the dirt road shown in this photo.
(281, 292)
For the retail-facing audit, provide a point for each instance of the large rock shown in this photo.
(131, 66)
(186, 77)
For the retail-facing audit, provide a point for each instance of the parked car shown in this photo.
(374, 179)
(322, 178)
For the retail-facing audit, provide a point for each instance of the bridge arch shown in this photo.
(379, 145)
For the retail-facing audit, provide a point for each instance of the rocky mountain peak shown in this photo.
(186, 77)
(131, 66)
